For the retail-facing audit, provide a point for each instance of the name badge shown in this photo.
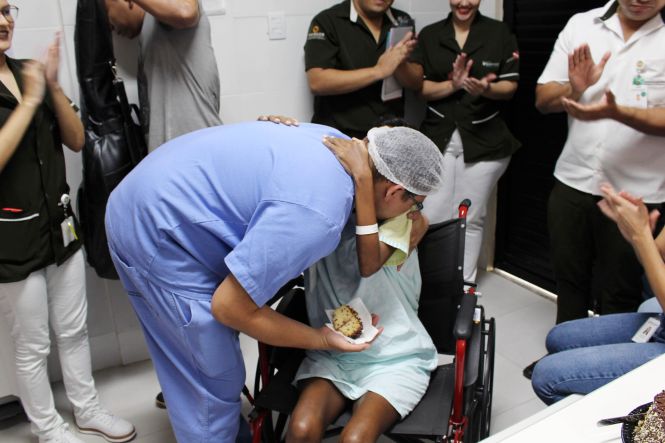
(647, 330)
(638, 89)
(639, 96)
(68, 231)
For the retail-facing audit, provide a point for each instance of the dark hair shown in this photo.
(394, 122)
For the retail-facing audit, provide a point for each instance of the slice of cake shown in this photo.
(652, 428)
(346, 320)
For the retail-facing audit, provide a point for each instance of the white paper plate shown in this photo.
(369, 331)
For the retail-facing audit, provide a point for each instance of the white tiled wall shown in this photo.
(258, 76)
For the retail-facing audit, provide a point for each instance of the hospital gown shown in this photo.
(398, 364)
(213, 202)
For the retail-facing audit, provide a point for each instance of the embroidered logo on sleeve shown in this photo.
(316, 34)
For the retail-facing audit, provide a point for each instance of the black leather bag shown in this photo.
(114, 141)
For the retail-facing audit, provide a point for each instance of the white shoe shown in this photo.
(60, 435)
(101, 422)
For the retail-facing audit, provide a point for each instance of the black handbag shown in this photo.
(114, 141)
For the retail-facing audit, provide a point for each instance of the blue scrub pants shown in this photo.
(197, 359)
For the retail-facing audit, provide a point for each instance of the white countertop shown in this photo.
(574, 418)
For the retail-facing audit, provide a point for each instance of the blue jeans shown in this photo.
(588, 353)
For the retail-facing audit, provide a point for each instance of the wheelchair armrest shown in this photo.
(464, 320)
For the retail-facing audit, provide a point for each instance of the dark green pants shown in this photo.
(594, 266)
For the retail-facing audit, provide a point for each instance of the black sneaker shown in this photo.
(528, 371)
(159, 401)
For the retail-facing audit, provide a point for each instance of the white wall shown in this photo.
(258, 76)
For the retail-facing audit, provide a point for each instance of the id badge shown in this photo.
(68, 231)
(639, 96)
(646, 331)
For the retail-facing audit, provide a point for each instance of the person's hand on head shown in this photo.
(352, 154)
(583, 72)
(52, 61)
(34, 83)
(606, 107)
(279, 119)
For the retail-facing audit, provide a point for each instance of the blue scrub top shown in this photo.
(260, 200)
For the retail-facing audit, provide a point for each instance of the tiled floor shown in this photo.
(523, 319)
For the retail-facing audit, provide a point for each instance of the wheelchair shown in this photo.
(458, 402)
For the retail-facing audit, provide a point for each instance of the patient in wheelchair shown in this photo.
(385, 382)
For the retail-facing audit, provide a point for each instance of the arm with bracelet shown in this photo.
(388, 181)
(353, 155)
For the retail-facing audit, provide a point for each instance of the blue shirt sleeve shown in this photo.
(282, 240)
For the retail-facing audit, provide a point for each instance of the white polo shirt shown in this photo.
(606, 150)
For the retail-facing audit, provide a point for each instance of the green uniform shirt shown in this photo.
(31, 185)
(338, 40)
(490, 45)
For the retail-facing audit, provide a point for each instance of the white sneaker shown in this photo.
(101, 422)
(60, 435)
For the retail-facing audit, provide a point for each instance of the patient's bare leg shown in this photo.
(372, 416)
(320, 403)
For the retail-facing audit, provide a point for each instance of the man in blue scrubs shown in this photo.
(206, 229)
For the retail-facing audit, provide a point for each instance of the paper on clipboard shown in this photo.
(391, 89)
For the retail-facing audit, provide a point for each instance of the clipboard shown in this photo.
(391, 89)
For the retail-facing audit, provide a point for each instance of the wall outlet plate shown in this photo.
(276, 25)
(214, 7)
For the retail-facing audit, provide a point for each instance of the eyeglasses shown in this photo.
(10, 13)
(412, 196)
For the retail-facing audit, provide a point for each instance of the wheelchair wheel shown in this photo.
(488, 381)
(479, 407)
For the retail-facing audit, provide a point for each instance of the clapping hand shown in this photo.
(396, 55)
(52, 61)
(460, 72)
(583, 72)
(476, 87)
(606, 107)
(34, 83)
(629, 212)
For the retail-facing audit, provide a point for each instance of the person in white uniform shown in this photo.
(607, 71)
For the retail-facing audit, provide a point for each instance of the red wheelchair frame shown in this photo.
(470, 338)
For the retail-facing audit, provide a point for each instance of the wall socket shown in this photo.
(276, 25)
(214, 7)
